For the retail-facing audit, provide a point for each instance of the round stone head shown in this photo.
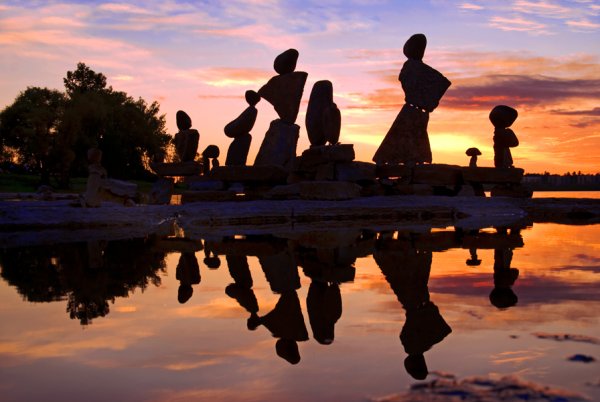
(184, 122)
(252, 97)
(415, 366)
(503, 116)
(287, 349)
(286, 62)
(414, 48)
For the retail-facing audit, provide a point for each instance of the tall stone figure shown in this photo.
(323, 118)
(239, 130)
(407, 141)
(284, 92)
(502, 117)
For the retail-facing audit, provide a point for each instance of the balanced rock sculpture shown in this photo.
(323, 119)
(407, 140)
(473, 153)
(239, 130)
(186, 140)
(502, 117)
(284, 92)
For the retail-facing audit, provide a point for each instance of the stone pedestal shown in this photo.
(238, 150)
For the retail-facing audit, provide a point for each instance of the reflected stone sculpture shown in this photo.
(284, 92)
(407, 140)
(239, 130)
(323, 118)
(186, 140)
(503, 117)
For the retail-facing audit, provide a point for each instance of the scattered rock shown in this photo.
(568, 337)
(581, 358)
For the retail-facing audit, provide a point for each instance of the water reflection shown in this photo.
(91, 274)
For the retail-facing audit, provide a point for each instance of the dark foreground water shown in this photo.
(333, 316)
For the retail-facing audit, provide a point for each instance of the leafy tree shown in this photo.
(84, 79)
(30, 125)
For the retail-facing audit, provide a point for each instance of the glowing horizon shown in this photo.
(540, 57)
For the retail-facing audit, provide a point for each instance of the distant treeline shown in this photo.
(569, 181)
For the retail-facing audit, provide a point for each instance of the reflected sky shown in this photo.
(317, 316)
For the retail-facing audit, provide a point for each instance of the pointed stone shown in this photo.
(237, 154)
(284, 92)
(285, 63)
(279, 145)
(242, 124)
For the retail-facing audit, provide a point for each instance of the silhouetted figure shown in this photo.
(188, 274)
(407, 140)
(323, 118)
(407, 271)
(186, 140)
(473, 153)
(209, 158)
(503, 117)
(284, 92)
(239, 130)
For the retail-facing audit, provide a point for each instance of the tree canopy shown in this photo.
(52, 131)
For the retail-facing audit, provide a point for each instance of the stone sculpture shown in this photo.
(502, 117)
(239, 130)
(323, 118)
(284, 92)
(209, 158)
(186, 140)
(473, 153)
(407, 140)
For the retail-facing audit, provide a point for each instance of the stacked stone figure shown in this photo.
(284, 92)
(323, 118)
(407, 141)
(239, 130)
(503, 117)
(186, 140)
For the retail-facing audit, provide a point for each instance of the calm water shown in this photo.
(304, 316)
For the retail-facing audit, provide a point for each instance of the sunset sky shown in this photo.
(541, 57)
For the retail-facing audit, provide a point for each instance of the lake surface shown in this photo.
(329, 316)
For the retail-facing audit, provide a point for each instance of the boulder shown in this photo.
(423, 85)
(285, 63)
(279, 145)
(184, 121)
(355, 171)
(325, 171)
(437, 174)
(242, 124)
(237, 154)
(414, 48)
(252, 97)
(318, 155)
(186, 144)
(503, 116)
(492, 175)
(284, 92)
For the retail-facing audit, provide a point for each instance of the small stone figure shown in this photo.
(407, 140)
(188, 274)
(323, 118)
(209, 158)
(186, 140)
(502, 117)
(239, 130)
(473, 153)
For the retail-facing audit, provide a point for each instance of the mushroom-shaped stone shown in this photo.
(211, 151)
(414, 48)
(184, 122)
(503, 116)
(252, 97)
(473, 153)
(286, 61)
(473, 262)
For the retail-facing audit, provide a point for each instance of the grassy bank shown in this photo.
(26, 183)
